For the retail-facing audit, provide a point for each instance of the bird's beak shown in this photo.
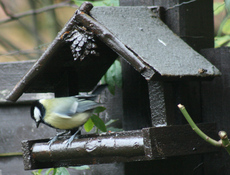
(37, 124)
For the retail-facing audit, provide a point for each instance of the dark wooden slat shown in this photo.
(180, 140)
(215, 106)
(127, 146)
(189, 21)
(157, 103)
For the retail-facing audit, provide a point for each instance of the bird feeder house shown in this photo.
(166, 72)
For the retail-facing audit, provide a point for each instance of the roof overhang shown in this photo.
(134, 33)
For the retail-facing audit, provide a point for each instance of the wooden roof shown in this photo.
(134, 33)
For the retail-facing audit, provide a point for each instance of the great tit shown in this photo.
(67, 113)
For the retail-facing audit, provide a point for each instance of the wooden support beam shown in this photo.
(157, 103)
(127, 146)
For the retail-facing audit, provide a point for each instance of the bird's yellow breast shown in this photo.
(61, 122)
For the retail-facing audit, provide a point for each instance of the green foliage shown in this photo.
(38, 172)
(59, 171)
(83, 167)
(99, 109)
(99, 2)
(226, 27)
(218, 7)
(88, 126)
(227, 5)
(222, 41)
(52, 171)
(95, 121)
(98, 122)
(112, 129)
(113, 77)
(223, 35)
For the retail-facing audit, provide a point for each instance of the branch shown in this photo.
(178, 5)
(224, 142)
(37, 11)
(8, 13)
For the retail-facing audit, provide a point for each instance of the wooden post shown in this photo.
(193, 22)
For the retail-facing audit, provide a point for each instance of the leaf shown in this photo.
(110, 122)
(228, 44)
(99, 109)
(99, 2)
(114, 129)
(48, 171)
(110, 74)
(113, 76)
(218, 7)
(98, 123)
(39, 172)
(88, 126)
(226, 27)
(83, 167)
(222, 40)
(118, 74)
(227, 5)
(61, 171)
(103, 80)
(114, 2)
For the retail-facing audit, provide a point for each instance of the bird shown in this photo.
(66, 113)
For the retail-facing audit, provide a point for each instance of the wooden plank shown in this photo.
(215, 106)
(186, 22)
(189, 21)
(157, 103)
(127, 146)
(180, 140)
(10, 74)
(16, 125)
(135, 3)
(186, 93)
(151, 40)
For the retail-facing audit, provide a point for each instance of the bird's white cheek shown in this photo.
(37, 114)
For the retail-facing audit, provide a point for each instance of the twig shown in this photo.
(37, 11)
(7, 12)
(10, 154)
(21, 52)
(195, 128)
(224, 142)
(178, 5)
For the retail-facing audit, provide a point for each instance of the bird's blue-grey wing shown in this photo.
(86, 105)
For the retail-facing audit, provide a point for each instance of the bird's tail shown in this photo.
(98, 89)
(95, 92)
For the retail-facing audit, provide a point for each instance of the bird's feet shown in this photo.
(70, 140)
(53, 140)
(56, 138)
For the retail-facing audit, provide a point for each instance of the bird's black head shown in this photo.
(37, 112)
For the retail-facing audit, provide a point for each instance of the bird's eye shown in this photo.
(37, 114)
